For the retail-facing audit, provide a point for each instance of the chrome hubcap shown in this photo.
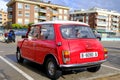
(51, 68)
(18, 55)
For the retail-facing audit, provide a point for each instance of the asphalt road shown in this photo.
(11, 70)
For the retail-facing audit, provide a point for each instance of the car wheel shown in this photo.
(18, 56)
(51, 68)
(94, 69)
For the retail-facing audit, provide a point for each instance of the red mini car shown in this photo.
(62, 45)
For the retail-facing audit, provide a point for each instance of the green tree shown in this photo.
(19, 26)
(30, 24)
(25, 26)
(16, 26)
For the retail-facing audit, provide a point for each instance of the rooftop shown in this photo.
(37, 2)
(96, 9)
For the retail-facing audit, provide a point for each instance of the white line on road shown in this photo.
(111, 67)
(16, 68)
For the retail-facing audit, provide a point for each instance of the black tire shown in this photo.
(94, 69)
(51, 68)
(18, 57)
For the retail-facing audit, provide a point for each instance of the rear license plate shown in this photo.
(89, 55)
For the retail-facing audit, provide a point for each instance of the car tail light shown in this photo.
(66, 56)
(105, 52)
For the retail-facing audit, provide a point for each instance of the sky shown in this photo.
(79, 4)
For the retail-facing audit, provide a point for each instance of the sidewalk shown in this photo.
(3, 76)
(112, 77)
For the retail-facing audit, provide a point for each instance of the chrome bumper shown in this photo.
(82, 65)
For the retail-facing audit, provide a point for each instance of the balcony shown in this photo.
(55, 12)
(115, 24)
(79, 17)
(115, 19)
(0, 17)
(37, 10)
(42, 17)
(0, 24)
(115, 28)
(102, 17)
(54, 18)
(10, 9)
(101, 23)
(0, 20)
(42, 10)
(101, 28)
(9, 16)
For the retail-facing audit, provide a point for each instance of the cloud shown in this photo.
(5, 0)
(79, 4)
(3, 5)
(86, 4)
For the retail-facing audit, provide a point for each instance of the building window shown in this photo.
(20, 21)
(65, 18)
(27, 6)
(54, 18)
(87, 19)
(35, 21)
(60, 11)
(20, 5)
(65, 11)
(10, 23)
(20, 13)
(60, 17)
(26, 21)
(36, 8)
(36, 15)
(27, 14)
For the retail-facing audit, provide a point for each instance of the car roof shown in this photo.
(61, 22)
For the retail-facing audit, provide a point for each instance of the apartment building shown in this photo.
(102, 20)
(3, 18)
(27, 11)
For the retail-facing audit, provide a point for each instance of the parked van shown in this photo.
(61, 45)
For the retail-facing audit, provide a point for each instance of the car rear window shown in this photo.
(76, 31)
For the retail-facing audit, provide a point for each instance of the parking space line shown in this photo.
(111, 67)
(17, 69)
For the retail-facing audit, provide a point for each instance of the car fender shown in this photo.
(51, 55)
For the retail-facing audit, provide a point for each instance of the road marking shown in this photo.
(111, 67)
(17, 69)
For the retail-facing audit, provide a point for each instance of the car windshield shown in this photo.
(76, 31)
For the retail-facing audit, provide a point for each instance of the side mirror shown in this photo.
(99, 38)
(23, 36)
